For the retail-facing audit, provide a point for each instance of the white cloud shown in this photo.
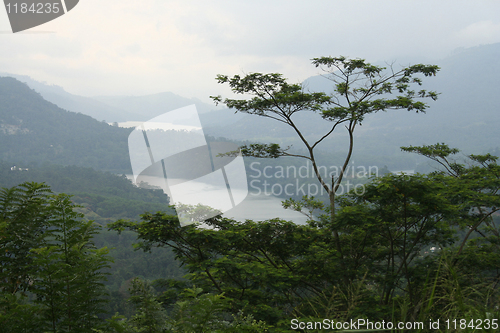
(482, 32)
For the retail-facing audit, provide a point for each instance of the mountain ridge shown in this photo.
(112, 108)
(36, 130)
(464, 116)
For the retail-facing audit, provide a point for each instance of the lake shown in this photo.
(257, 207)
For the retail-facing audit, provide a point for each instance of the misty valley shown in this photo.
(369, 193)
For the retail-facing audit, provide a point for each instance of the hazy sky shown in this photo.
(131, 47)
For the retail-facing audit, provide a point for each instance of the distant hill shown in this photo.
(35, 130)
(113, 108)
(465, 116)
(143, 108)
(74, 103)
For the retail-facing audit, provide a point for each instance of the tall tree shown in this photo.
(360, 88)
(69, 279)
(48, 252)
(24, 220)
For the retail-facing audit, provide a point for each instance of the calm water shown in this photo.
(258, 208)
(263, 207)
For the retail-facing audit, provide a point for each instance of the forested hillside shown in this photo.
(34, 130)
(41, 142)
(104, 196)
(74, 103)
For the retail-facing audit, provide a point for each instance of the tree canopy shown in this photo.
(360, 89)
(414, 243)
(47, 253)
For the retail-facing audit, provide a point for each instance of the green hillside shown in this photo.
(33, 130)
(104, 196)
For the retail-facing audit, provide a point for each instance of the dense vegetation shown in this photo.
(48, 256)
(410, 249)
(420, 248)
(104, 196)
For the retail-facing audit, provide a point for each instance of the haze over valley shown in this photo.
(228, 166)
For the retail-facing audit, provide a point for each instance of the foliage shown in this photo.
(104, 196)
(201, 312)
(406, 242)
(360, 88)
(19, 315)
(47, 255)
(475, 184)
(150, 316)
(193, 312)
(24, 218)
